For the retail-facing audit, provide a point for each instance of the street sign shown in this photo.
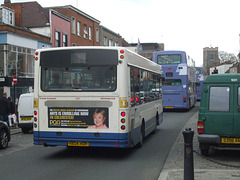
(15, 79)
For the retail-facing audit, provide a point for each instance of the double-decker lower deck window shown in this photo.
(172, 82)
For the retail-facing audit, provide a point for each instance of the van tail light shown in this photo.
(184, 99)
(200, 127)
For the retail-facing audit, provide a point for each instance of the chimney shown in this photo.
(7, 1)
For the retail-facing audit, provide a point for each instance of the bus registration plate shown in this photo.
(82, 144)
(168, 106)
(26, 119)
(231, 140)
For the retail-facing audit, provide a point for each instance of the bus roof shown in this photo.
(170, 52)
(223, 78)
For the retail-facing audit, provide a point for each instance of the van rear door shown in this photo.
(237, 109)
(219, 118)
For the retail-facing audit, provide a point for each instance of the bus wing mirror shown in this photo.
(205, 89)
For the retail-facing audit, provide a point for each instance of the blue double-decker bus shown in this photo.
(179, 84)
(200, 77)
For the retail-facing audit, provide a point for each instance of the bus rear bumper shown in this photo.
(113, 140)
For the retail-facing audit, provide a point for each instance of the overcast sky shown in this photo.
(188, 25)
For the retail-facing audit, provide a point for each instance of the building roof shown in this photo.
(77, 11)
(33, 15)
(110, 31)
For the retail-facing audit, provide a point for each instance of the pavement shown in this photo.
(15, 130)
(219, 165)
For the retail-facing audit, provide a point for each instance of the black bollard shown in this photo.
(188, 154)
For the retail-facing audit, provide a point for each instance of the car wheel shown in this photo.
(3, 139)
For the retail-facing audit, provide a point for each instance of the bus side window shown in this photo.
(135, 86)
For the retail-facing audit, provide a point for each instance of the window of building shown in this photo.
(116, 43)
(65, 40)
(110, 42)
(90, 33)
(73, 25)
(219, 99)
(78, 28)
(57, 39)
(105, 41)
(20, 62)
(11, 18)
(97, 35)
(85, 31)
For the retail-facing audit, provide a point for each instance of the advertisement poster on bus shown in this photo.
(67, 117)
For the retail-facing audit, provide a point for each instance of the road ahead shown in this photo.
(23, 160)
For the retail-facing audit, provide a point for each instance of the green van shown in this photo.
(219, 113)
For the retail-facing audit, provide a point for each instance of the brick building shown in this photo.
(109, 38)
(17, 47)
(85, 30)
(146, 49)
(48, 22)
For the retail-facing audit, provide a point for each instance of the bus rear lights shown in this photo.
(122, 51)
(35, 113)
(35, 125)
(36, 58)
(123, 120)
(35, 119)
(184, 99)
(200, 127)
(116, 144)
(123, 114)
(36, 53)
(41, 141)
(123, 127)
(122, 57)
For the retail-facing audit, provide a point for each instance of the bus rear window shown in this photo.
(79, 79)
(169, 59)
(172, 82)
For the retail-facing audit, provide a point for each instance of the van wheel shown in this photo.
(205, 152)
(25, 130)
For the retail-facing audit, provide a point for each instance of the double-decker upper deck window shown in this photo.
(169, 59)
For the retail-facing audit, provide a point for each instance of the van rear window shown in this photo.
(219, 99)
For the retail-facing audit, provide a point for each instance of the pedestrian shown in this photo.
(11, 116)
(4, 108)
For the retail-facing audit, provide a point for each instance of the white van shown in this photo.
(25, 112)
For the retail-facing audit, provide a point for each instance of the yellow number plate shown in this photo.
(26, 119)
(168, 106)
(82, 144)
(231, 140)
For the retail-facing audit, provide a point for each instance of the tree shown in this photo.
(224, 56)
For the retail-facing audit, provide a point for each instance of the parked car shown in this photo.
(5, 136)
(219, 113)
(25, 112)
